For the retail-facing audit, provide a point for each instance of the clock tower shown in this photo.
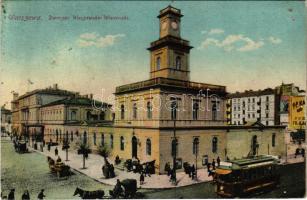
(170, 53)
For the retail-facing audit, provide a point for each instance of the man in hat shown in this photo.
(41, 195)
(11, 195)
(25, 195)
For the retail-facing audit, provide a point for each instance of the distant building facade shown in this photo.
(6, 120)
(55, 114)
(251, 106)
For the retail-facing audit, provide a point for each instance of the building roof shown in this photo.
(5, 111)
(251, 93)
(80, 101)
(51, 91)
(170, 10)
(172, 84)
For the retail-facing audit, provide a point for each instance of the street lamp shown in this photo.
(66, 145)
(195, 145)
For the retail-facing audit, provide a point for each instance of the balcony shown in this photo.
(169, 123)
(171, 83)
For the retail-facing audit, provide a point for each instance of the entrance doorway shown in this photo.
(134, 147)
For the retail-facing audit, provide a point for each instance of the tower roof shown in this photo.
(170, 10)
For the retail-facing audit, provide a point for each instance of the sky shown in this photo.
(241, 45)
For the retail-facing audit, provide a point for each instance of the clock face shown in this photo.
(164, 25)
(174, 25)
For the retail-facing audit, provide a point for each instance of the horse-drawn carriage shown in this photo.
(58, 167)
(20, 146)
(123, 189)
(138, 167)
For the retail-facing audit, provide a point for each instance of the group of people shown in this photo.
(211, 170)
(25, 195)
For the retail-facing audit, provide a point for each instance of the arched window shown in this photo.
(174, 110)
(122, 112)
(149, 110)
(94, 138)
(88, 115)
(102, 139)
(158, 63)
(135, 110)
(214, 111)
(77, 133)
(273, 139)
(57, 134)
(71, 136)
(148, 147)
(102, 116)
(84, 137)
(73, 115)
(111, 141)
(178, 62)
(195, 110)
(122, 143)
(254, 145)
(214, 144)
(195, 145)
(174, 147)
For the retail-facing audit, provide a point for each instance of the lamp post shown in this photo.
(174, 146)
(66, 145)
(195, 144)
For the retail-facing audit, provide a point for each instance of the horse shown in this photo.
(97, 194)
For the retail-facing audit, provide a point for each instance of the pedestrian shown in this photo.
(56, 151)
(42, 148)
(41, 195)
(167, 168)
(192, 172)
(189, 169)
(11, 195)
(213, 164)
(44, 143)
(25, 195)
(218, 160)
(208, 167)
(59, 160)
(49, 146)
(142, 178)
(147, 170)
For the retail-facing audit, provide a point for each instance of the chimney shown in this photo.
(15, 95)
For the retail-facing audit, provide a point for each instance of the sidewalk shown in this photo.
(95, 162)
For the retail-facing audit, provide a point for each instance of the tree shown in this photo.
(83, 149)
(104, 151)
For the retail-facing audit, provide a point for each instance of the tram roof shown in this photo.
(244, 163)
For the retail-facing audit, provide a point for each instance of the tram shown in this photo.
(241, 177)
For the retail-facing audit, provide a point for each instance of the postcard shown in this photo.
(153, 99)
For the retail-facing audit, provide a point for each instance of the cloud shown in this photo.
(89, 36)
(93, 39)
(274, 40)
(237, 42)
(215, 31)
